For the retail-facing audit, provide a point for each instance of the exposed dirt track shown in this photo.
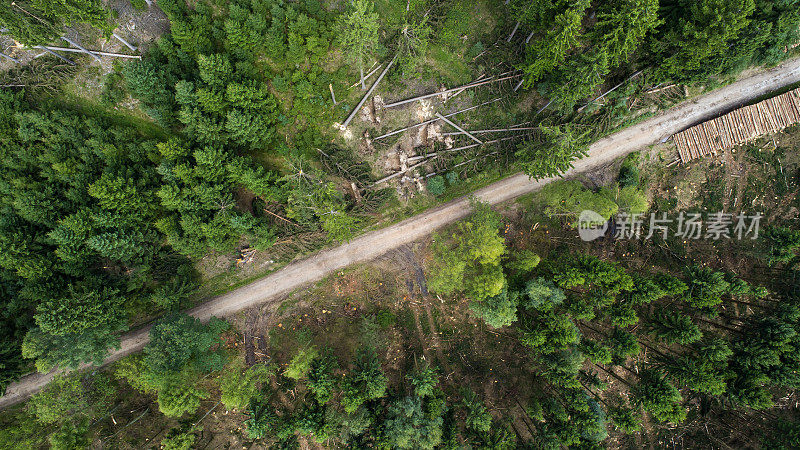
(273, 287)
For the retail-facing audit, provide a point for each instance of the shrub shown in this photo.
(240, 385)
(301, 363)
(436, 185)
(178, 441)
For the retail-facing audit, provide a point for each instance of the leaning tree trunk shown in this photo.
(361, 72)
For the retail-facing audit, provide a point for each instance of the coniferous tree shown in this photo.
(359, 34)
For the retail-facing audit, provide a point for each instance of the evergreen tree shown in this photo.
(366, 382)
(553, 153)
(359, 34)
(38, 22)
(659, 397)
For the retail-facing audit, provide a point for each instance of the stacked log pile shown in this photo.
(739, 126)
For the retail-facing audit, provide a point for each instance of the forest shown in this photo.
(230, 133)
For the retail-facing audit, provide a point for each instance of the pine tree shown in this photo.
(366, 382)
(38, 22)
(359, 34)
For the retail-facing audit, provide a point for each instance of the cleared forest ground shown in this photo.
(272, 288)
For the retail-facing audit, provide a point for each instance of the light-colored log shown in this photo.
(99, 53)
(126, 43)
(63, 58)
(392, 133)
(369, 92)
(79, 46)
(454, 125)
(447, 91)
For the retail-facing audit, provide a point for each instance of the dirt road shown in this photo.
(273, 287)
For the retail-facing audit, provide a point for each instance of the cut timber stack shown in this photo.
(739, 126)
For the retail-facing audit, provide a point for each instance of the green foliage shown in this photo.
(76, 233)
(772, 29)
(572, 56)
(179, 340)
(311, 200)
(523, 262)
(563, 35)
(542, 295)
(37, 22)
(180, 349)
(704, 376)
(697, 33)
(321, 381)
(198, 187)
(240, 385)
(177, 398)
(629, 199)
(300, 364)
(139, 4)
(414, 423)
(436, 185)
(497, 311)
(623, 344)
(176, 440)
(413, 42)
(781, 245)
(674, 327)
(569, 198)
(553, 152)
(424, 380)
(78, 328)
(626, 419)
(113, 91)
(260, 419)
(359, 33)
(629, 171)
(133, 370)
(707, 287)
(477, 418)
(661, 399)
(596, 352)
(365, 382)
(550, 332)
(62, 397)
(471, 262)
(71, 436)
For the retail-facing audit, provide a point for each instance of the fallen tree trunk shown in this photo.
(369, 92)
(459, 128)
(63, 58)
(496, 130)
(392, 133)
(80, 47)
(467, 86)
(9, 57)
(94, 52)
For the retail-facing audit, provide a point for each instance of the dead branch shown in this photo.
(9, 57)
(497, 130)
(127, 44)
